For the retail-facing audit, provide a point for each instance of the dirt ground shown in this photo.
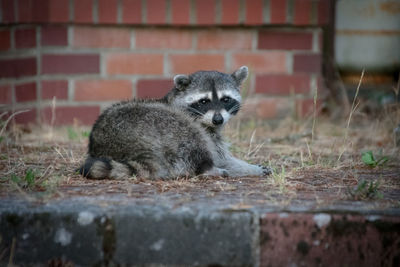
(315, 161)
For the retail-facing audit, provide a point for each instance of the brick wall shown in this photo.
(89, 53)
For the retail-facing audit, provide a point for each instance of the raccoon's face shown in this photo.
(209, 96)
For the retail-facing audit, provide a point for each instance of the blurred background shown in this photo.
(66, 60)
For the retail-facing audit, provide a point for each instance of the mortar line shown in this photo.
(144, 11)
(168, 12)
(12, 37)
(266, 12)
(95, 9)
(218, 12)
(254, 40)
(289, 62)
(242, 11)
(315, 41)
(192, 12)
(70, 36)
(228, 61)
(16, 11)
(132, 39)
(289, 11)
(71, 10)
(134, 80)
(119, 11)
(166, 70)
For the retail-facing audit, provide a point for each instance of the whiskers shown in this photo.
(195, 111)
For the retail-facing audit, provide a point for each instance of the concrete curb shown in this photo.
(87, 235)
(90, 232)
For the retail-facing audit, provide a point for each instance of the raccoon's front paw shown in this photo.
(265, 170)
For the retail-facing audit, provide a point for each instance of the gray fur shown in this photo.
(167, 138)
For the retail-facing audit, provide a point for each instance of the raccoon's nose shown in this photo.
(217, 119)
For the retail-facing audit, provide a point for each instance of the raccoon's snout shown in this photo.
(217, 119)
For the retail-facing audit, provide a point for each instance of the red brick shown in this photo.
(26, 10)
(43, 10)
(102, 90)
(282, 84)
(26, 117)
(156, 11)
(163, 38)
(107, 11)
(55, 88)
(101, 37)
(58, 11)
(278, 11)
(26, 92)
(302, 12)
(305, 107)
(309, 63)
(230, 12)
(265, 107)
(25, 38)
(65, 115)
(8, 9)
(285, 40)
(17, 67)
(324, 7)
(254, 12)
(5, 41)
(132, 63)
(83, 11)
(261, 62)
(5, 94)
(224, 39)
(132, 11)
(153, 88)
(70, 63)
(180, 12)
(205, 12)
(54, 36)
(187, 63)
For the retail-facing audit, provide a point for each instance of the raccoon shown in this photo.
(177, 135)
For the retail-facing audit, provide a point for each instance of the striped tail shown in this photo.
(102, 168)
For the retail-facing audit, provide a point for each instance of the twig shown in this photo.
(353, 109)
(9, 118)
(251, 141)
(314, 115)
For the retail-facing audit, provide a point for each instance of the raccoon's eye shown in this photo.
(225, 99)
(204, 101)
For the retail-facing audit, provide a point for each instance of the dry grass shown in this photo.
(307, 156)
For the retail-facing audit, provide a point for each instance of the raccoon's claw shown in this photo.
(266, 170)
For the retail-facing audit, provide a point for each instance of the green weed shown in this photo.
(29, 180)
(369, 159)
(72, 134)
(366, 190)
(75, 135)
(85, 134)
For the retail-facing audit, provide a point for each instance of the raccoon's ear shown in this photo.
(240, 74)
(181, 81)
